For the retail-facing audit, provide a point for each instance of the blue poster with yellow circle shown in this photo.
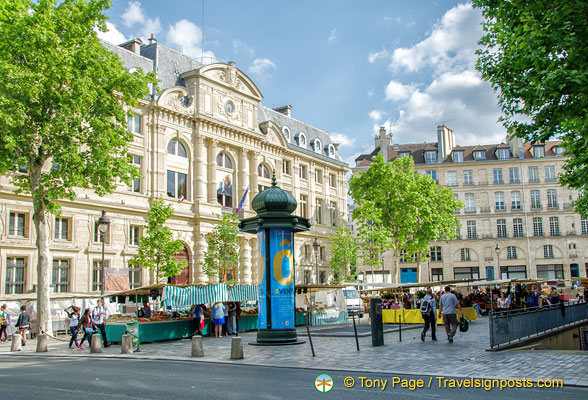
(262, 299)
(282, 278)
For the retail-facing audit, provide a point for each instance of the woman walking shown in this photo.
(3, 322)
(74, 321)
(218, 316)
(88, 326)
(23, 324)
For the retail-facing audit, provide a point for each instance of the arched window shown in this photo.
(317, 146)
(224, 178)
(286, 132)
(176, 147)
(263, 171)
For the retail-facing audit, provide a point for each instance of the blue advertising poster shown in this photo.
(262, 299)
(282, 278)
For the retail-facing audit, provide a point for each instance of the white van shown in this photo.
(353, 301)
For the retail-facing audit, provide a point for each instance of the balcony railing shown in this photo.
(485, 209)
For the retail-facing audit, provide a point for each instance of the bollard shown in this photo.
(236, 348)
(126, 346)
(42, 343)
(16, 343)
(96, 345)
(198, 347)
(377, 324)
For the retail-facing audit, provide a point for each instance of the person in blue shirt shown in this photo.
(197, 321)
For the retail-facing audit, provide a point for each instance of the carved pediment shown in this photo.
(273, 134)
(177, 99)
(233, 78)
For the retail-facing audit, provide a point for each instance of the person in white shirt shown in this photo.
(99, 317)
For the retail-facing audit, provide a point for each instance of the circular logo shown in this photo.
(323, 383)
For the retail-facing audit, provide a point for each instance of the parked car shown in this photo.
(353, 301)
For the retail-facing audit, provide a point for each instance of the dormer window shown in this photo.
(458, 156)
(539, 151)
(479, 155)
(503, 154)
(317, 146)
(286, 132)
(404, 154)
(558, 150)
(430, 157)
(301, 139)
(331, 151)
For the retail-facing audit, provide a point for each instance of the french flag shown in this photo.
(242, 201)
(181, 198)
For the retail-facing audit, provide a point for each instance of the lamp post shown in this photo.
(316, 245)
(103, 223)
(497, 250)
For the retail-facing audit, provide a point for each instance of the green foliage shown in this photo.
(345, 254)
(536, 57)
(397, 209)
(222, 254)
(156, 246)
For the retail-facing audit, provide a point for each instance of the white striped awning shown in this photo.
(181, 299)
(243, 293)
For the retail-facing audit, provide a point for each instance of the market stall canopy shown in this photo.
(318, 288)
(383, 287)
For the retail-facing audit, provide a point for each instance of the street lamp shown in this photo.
(497, 250)
(103, 223)
(316, 245)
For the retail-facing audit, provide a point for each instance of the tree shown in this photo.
(344, 259)
(62, 111)
(536, 57)
(156, 246)
(400, 210)
(222, 254)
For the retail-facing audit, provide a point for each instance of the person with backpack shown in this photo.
(429, 314)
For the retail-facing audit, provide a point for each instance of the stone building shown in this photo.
(517, 222)
(201, 140)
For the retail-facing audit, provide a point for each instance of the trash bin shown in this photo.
(133, 330)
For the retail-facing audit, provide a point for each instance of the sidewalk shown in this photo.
(466, 357)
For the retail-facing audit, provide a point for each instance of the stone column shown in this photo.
(200, 192)
(253, 163)
(212, 152)
(245, 259)
(244, 179)
(199, 250)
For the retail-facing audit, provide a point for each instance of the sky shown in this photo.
(345, 67)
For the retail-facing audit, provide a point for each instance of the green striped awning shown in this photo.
(181, 299)
(243, 293)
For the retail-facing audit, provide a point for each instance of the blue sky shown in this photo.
(346, 67)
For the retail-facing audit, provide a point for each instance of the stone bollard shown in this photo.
(126, 346)
(42, 343)
(197, 346)
(96, 345)
(16, 343)
(236, 348)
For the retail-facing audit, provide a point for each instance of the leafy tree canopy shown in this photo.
(157, 246)
(345, 254)
(536, 57)
(222, 254)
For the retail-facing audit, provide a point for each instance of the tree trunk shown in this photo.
(43, 257)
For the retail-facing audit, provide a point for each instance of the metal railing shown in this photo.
(517, 325)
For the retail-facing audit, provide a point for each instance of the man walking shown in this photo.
(429, 314)
(99, 318)
(447, 305)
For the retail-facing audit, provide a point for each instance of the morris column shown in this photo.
(275, 227)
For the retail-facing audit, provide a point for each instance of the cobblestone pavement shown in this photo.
(466, 357)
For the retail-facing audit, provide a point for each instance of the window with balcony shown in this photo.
(548, 251)
(511, 253)
(537, 226)
(533, 174)
(471, 228)
(430, 157)
(550, 174)
(468, 178)
(501, 228)
(499, 201)
(513, 174)
(515, 198)
(451, 178)
(554, 226)
(498, 177)
(517, 225)
(470, 205)
(552, 198)
(535, 199)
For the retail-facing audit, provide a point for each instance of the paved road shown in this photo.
(33, 377)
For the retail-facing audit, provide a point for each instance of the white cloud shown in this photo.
(261, 68)
(333, 35)
(134, 14)
(376, 115)
(242, 47)
(397, 91)
(151, 26)
(374, 56)
(451, 43)
(371, 92)
(187, 36)
(342, 139)
(112, 35)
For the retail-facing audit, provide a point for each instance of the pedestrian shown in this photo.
(99, 317)
(218, 317)
(429, 314)
(503, 303)
(4, 318)
(23, 324)
(73, 313)
(197, 321)
(226, 315)
(88, 326)
(447, 306)
(232, 322)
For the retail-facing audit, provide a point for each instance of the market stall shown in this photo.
(325, 302)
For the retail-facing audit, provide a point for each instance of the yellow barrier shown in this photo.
(414, 316)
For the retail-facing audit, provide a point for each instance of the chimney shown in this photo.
(445, 142)
(286, 110)
(152, 39)
(383, 141)
(133, 45)
(516, 145)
